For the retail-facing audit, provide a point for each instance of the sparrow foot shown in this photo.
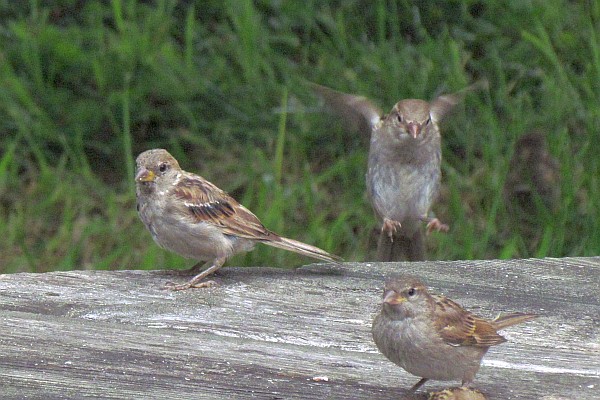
(390, 227)
(196, 282)
(435, 224)
(189, 285)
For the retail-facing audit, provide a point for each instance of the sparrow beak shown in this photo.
(145, 175)
(392, 298)
(414, 129)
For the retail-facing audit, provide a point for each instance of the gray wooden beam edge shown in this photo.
(279, 334)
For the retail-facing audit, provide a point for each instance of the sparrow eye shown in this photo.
(428, 121)
(162, 167)
(411, 291)
(400, 119)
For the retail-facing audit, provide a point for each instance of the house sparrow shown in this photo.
(403, 174)
(192, 217)
(431, 336)
(403, 178)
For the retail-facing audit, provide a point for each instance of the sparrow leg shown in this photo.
(195, 281)
(384, 248)
(390, 227)
(417, 385)
(195, 269)
(434, 224)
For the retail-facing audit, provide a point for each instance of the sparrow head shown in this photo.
(404, 297)
(153, 165)
(530, 148)
(412, 117)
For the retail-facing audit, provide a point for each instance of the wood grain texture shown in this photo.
(267, 333)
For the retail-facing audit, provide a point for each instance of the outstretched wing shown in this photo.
(444, 104)
(204, 202)
(459, 327)
(357, 113)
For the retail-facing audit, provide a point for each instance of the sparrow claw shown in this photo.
(189, 285)
(390, 227)
(436, 225)
(205, 284)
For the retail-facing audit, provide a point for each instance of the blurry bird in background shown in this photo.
(403, 173)
(532, 187)
(532, 173)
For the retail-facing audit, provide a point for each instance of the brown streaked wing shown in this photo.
(457, 326)
(204, 202)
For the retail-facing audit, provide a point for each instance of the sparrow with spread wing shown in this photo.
(404, 167)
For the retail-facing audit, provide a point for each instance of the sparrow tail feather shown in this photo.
(402, 248)
(303, 248)
(503, 321)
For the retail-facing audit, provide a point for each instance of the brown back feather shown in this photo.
(459, 327)
(204, 202)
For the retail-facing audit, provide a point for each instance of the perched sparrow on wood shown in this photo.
(433, 337)
(403, 175)
(532, 172)
(192, 217)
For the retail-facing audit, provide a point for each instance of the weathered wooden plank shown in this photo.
(266, 333)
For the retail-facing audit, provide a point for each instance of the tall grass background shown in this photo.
(87, 85)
